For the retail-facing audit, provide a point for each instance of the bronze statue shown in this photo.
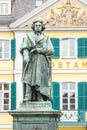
(36, 51)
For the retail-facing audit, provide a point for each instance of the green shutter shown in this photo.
(82, 47)
(13, 95)
(82, 99)
(85, 47)
(81, 96)
(13, 49)
(56, 96)
(85, 95)
(55, 42)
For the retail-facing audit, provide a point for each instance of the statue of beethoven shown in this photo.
(36, 51)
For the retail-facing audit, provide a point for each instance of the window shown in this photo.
(4, 49)
(38, 3)
(7, 49)
(65, 98)
(5, 7)
(68, 48)
(4, 96)
(7, 96)
(68, 97)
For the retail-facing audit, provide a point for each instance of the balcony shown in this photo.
(73, 118)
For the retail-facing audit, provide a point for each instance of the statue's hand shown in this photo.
(41, 41)
(26, 59)
(35, 50)
(38, 50)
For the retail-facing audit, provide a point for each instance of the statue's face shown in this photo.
(38, 27)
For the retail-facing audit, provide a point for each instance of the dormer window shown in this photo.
(38, 3)
(5, 7)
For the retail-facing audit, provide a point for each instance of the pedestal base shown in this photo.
(35, 116)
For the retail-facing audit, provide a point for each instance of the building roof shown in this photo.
(56, 15)
(23, 9)
(19, 9)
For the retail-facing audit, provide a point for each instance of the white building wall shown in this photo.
(18, 66)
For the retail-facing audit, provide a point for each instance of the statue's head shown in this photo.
(38, 25)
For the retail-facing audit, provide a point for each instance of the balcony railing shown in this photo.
(73, 118)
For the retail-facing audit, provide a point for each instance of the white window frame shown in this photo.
(3, 58)
(4, 12)
(61, 50)
(38, 3)
(61, 90)
(2, 91)
(69, 115)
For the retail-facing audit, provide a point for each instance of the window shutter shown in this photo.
(13, 95)
(55, 42)
(85, 95)
(82, 99)
(56, 96)
(81, 96)
(82, 47)
(13, 49)
(85, 47)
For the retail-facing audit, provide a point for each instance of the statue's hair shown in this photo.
(43, 25)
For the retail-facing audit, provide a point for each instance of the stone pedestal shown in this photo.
(35, 116)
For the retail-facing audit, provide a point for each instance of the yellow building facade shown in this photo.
(66, 25)
(6, 78)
